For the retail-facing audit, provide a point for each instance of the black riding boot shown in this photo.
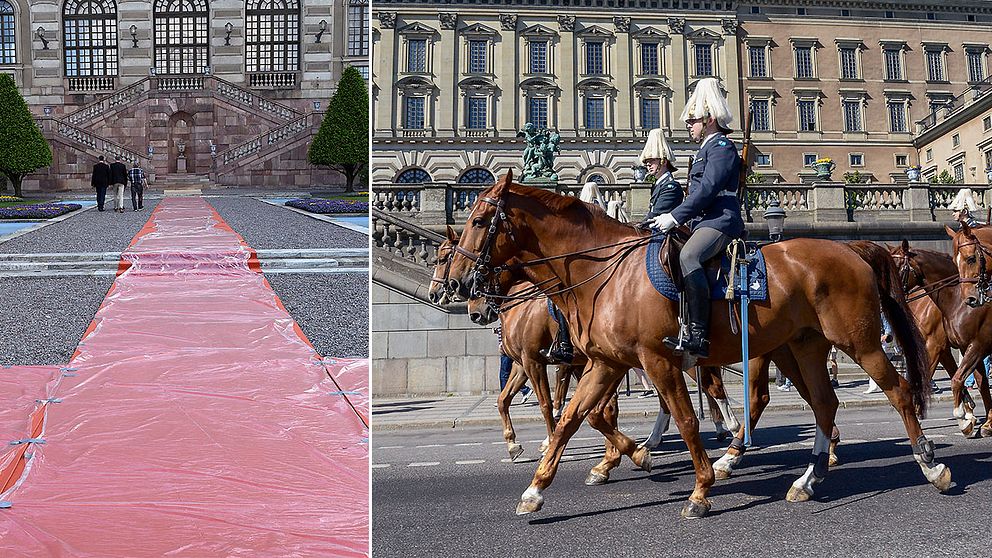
(697, 293)
(560, 351)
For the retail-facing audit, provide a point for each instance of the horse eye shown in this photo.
(478, 222)
(971, 260)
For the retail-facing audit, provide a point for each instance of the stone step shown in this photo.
(183, 192)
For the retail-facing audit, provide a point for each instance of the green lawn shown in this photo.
(13, 203)
(353, 196)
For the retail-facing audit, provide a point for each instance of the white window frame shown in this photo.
(900, 48)
(940, 50)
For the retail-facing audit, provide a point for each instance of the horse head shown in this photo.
(438, 293)
(971, 257)
(910, 274)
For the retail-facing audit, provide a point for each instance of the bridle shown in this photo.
(913, 280)
(982, 282)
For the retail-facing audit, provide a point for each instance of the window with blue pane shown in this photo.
(595, 113)
(477, 113)
(182, 41)
(416, 55)
(90, 38)
(597, 178)
(538, 57)
(893, 64)
(413, 176)
(809, 159)
(897, 117)
(477, 59)
(7, 42)
(758, 64)
(537, 111)
(594, 58)
(807, 116)
(852, 116)
(477, 176)
(704, 60)
(650, 113)
(760, 121)
(413, 116)
(848, 63)
(763, 160)
(272, 36)
(649, 59)
(804, 62)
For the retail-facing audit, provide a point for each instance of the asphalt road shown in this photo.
(452, 492)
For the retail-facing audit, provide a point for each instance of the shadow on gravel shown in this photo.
(402, 406)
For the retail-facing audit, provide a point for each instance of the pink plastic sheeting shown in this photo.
(20, 389)
(200, 421)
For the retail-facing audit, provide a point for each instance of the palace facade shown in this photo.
(198, 92)
(454, 81)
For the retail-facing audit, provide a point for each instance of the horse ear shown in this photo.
(452, 236)
(950, 231)
(905, 246)
(503, 185)
(965, 228)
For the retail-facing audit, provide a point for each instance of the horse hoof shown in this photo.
(986, 430)
(596, 479)
(833, 461)
(642, 458)
(530, 504)
(722, 474)
(695, 510)
(515, 451)
(544, 447)
(723, 435)
(967, 427)
(943, 482)
(798, 494)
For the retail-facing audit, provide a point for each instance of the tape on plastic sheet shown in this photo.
(6, 505)
(344, 393)
(49, 400)
(28, 441)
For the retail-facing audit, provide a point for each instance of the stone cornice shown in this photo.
(961, 6)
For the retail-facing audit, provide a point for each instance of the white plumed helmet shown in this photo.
(657, 148)
(708, 101)
(964, 200)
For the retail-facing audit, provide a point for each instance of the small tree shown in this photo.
(23, 149)
(343, 140)
(945, 177)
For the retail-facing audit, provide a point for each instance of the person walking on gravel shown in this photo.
(100, 181)
(118, 177)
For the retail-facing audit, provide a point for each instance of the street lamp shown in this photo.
(228, 27)
(775, 219)
(134, 35)
(323, 27)
(41, 35)
(316, 105)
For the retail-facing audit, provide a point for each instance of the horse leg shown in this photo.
(812, 358)
(946, 359)
(712, 384)
(537, 373)
(594, 389)
(982, 381)
(660, 426)
(723, 468)
(513, 386)
(562, 377)
(667, 378)
(600, 473)
(964, 405)
(873, 360)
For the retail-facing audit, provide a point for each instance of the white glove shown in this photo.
(665, 222)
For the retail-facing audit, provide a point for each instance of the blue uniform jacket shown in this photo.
(666, 195)
(713, 182)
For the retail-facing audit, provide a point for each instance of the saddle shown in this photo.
(670, 250)
(665, 273)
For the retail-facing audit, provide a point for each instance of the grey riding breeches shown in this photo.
(704, 244)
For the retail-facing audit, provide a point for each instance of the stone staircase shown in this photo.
(329, 260)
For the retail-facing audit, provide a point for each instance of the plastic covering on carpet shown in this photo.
(194, 419)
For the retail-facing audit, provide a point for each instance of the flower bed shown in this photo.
(38, 210)
(9, 199)
(320, 205)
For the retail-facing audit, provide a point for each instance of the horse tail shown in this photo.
(900, 317)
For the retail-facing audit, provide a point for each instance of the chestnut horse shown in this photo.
(945, 321)
(970, 251)
(820, 293)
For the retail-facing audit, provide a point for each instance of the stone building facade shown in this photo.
(958, 138)
(226, 91)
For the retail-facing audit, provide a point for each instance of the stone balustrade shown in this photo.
(278, 136)
(273, 80)
(92, 141)
(123, 97)
(91, 84)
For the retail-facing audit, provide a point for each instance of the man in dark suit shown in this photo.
(118, 177)
(100, 181)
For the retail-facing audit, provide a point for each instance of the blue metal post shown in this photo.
(745, 301)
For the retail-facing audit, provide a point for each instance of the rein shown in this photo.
(905, 269)
(982, 284)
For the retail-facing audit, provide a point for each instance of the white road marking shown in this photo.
(380, 465)
(470, 462)
(431, 446)
(424, 464)
(390, 447)
(470, 444)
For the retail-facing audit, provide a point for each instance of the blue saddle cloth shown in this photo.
(757, 276)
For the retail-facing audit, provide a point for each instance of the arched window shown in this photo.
(477, 176)
(7, 50)
(273, 36)
(413, 176)
(90, 38)
(181, 41)
(597, 178)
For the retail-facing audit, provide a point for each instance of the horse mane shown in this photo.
(557, 203)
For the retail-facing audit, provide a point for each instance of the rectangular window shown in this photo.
(358, 24)
(649, 59)
(893, 64)
(477, 113)
(929, 155)
(809, 159)
(704, 60)
(537, 111)
(807, 116)
(477, 51)
(413, 116)
(902, 160)
(538, 57)
(364, 70)
(848, 63)
(935, 65)
(955, 140)
(976, 69)
(959, 172)
(416, 56)
(804, 62)
(852, 116)
(758, 63)
(856, 159)
(595, 113)
(897, 117)
(650, 114)
(763, 160)
(760, 121)
(594, 58)
(987, 123)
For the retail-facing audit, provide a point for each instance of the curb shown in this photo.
(639, 414)
(45, 223)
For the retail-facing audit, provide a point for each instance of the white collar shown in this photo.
(664, 178)
(707, 138)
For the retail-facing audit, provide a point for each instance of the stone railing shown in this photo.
(103, 105)
(273, 80)
(441, 203)
(405, 240)
(275, 137)
(252, 100)
(179, 83)
(97, 144)
(973, 93)
(91, 84)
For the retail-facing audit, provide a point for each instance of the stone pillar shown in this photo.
(386, 117)
(507, 64)
(623, 110)
(446, 65)
(569, 66)
(828, 202)
(678, 66)
(917, 202)
(640, 200)
(433, 203)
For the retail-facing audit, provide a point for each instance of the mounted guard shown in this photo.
(711, 209)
